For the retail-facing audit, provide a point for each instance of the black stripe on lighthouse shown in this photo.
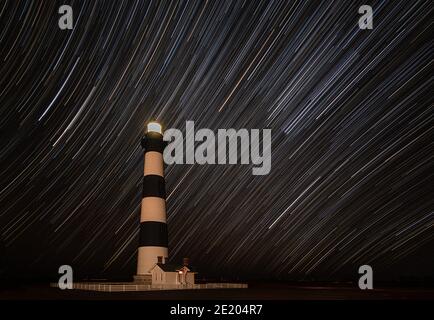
(153, 141)
(153, 233)
(154, 186)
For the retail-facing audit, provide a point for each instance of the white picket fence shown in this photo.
(125, 287)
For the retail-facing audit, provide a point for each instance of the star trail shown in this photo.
(350, 112)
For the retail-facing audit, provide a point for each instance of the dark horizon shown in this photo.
(401, 274)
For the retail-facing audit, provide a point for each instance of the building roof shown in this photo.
(168, 267)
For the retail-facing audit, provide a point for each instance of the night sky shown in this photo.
(352, 136)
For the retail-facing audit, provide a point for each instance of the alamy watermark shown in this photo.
(366, 280)
(66, 278)
(366, 21)
(229, 146)
(65, 20)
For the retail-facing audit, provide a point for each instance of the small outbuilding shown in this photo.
(172, 274)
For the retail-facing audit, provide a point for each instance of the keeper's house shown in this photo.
(172, 274)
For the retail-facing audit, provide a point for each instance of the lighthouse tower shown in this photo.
(153, 227)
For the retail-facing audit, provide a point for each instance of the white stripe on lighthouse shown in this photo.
(153, 209)
(153, 163)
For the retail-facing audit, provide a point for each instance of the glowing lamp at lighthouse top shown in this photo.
(154, 127)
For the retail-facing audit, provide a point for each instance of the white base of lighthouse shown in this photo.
(148, 257)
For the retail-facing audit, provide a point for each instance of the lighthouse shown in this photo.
(153, 227)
